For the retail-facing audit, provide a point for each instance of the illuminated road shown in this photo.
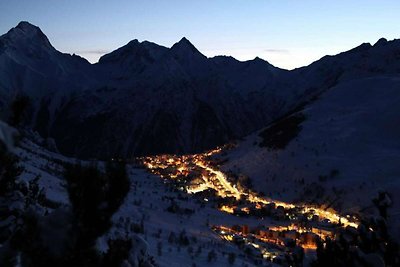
(230, 190)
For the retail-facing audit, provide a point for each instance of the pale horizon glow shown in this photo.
(286, 33)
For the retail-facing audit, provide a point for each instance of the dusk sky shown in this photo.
(288, 34)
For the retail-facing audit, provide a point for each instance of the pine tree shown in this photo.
(9, 171)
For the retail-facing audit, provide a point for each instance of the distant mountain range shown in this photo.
(144, 98)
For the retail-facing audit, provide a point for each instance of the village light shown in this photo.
(199, 174)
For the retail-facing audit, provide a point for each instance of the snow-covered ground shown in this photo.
(154, 198)
(47, 166)
(347, 150)
(146, 203)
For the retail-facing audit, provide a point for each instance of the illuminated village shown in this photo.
(294, 225)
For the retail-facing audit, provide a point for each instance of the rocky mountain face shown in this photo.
(146, 99)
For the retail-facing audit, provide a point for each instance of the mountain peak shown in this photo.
(184, 45)
(184, 40)
(133, 42)
(260, 62)
(258, 59)
(137, 51)
(29, 29)
(26, 26)
(26, 32)
(381, 41)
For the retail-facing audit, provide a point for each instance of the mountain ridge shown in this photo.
(144, 98)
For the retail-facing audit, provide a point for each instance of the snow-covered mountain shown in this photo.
(144, 98)
(30, 65)
(141, 98)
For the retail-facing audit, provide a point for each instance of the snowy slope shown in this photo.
(347, 149)
(47, 169)
(146, 202)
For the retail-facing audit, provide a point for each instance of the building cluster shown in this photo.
(264, 245)
(300, 226)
